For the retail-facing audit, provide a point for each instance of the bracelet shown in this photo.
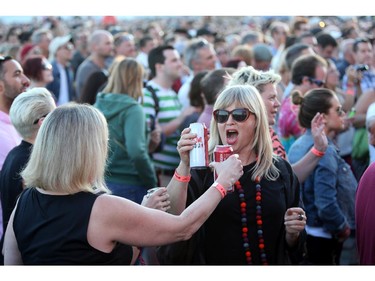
(181, 178)
(317, 152)
(350, 91)
(220, 188)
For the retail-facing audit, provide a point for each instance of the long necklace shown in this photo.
(259, 221)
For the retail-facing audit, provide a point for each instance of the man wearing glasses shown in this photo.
(308, 72)
(12, 82)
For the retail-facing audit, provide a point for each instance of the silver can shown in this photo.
(199, 154)
(150, 191)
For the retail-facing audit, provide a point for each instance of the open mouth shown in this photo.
(232, 136)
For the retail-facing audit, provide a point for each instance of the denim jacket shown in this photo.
(328, 193)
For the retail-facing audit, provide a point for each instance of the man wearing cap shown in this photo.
(61, 53)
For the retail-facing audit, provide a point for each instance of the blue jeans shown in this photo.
(131, 192)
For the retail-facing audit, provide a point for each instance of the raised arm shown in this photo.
(304, 167)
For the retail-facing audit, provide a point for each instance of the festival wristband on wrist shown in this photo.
(316, 152)
(350, 91)
(181, 178)
(220, 188)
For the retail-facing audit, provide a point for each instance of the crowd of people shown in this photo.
(95, 113)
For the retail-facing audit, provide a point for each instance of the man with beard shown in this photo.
(12, 82)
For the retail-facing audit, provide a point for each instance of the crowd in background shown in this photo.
(169, 72)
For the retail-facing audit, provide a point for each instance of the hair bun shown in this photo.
(297, 97)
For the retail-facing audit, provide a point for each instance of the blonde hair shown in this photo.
(70, 151)
(248, 96)
(27, 108)
(248, 75)
(126, 77)
(244, 53)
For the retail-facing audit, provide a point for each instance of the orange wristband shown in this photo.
(350, 92)
(220, 188)
(317, 152)
(181, 178)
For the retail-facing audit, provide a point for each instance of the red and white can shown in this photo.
(222, 153)
(199, 154)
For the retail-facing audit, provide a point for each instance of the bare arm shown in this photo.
(304, 167)
(178, 190)
(361, 107)
(12, 255)
(117, 219)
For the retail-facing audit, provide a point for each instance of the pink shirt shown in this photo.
(9, 138)
(206, 115)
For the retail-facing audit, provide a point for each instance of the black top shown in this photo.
(223, 243)
(10, 180)
(52, 230)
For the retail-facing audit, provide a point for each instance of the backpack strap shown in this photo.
(154, 97)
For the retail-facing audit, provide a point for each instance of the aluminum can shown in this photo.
(150, 191)
(222, 153)
(199, 154)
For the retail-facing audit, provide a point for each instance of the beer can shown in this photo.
(222, 153)
(199, 154)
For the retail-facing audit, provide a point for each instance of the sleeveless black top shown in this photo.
(52, 230)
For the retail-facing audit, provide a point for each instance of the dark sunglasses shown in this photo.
(238, 115)
(340, 111)
(317, 82)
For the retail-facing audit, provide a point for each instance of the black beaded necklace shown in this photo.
(259, 221)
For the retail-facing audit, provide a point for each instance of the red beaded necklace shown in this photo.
(245, 234)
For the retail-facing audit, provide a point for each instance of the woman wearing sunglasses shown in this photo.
(328, 194)
(260, 222)
(265, 82)
(67, 216)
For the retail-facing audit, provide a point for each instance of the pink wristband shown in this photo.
(220, 188)
(350, 92)
(181, 178)
(317, 152)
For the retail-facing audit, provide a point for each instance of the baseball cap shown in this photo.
(56, 43)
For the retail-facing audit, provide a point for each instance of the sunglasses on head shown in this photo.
(238, 115)
(317, 82)
(4, 59)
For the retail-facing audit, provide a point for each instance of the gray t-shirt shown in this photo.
(85, 69)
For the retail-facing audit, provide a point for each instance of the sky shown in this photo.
(183, 7)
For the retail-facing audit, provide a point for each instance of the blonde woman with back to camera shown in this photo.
(66, 216)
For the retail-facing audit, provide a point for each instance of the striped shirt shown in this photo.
(169, 109)
(278, 148)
